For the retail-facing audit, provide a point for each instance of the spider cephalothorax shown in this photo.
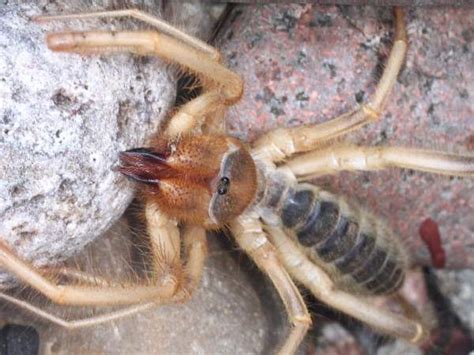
(208, 180)
(293, 231)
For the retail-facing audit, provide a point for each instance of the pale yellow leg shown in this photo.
(79, 276)
(164, 237)
(250, 237)
(334, 159)
(79, 323)
(282, 143)
(158, 23)
(195, 245)
(322, 287)
(195, 113)
(78, 295)
(152, 43)
(224, 86)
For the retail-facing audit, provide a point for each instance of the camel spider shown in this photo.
(192, 177)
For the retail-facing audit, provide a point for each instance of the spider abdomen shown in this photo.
(356, 249)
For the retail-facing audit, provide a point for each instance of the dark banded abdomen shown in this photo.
(358, 251)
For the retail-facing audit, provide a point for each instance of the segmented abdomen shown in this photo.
(356, 249)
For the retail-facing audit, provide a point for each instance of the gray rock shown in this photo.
(459, 285)
(63, 120)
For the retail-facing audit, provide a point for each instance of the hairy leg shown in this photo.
(322, 287)
(195, 113)
(282, 143)
(164, 237)
(151, 43)
(224, 86)
(79, 323)
(195, 245)
(158, 23)
(251, 238)
(78, 276)
(334, 159)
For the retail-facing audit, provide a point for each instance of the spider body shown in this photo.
(192, 177)
(354, 247)
(211, 180)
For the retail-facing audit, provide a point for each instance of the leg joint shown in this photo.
(372, 113)
(59, 295)
(302, 320)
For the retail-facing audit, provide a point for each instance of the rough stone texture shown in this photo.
(460, 285)
(196, 17)
(333, 339)
(307, 64)
(63, 120)
(389, 3)
(399, 347)
(18, 340)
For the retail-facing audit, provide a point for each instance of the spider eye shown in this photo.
(223, 187)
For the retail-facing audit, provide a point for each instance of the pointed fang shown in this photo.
(143, 165)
